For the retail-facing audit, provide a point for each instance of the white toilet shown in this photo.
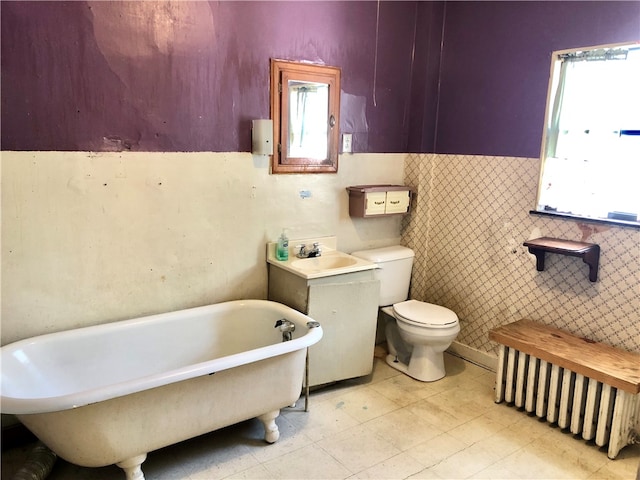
(421, 331)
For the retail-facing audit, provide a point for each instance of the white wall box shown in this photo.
(375, 200)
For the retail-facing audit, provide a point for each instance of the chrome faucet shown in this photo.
(316, 251)
(287, 328)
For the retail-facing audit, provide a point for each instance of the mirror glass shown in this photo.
(305, 107)
(308, 128)
(591, 144)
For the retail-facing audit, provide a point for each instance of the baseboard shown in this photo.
(483, 359)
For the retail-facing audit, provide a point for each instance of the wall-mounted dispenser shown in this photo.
(375, 200)
(262, 137)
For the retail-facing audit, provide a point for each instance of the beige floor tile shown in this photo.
(442, 412)
(450, 382)
(625, 466)
(465, 463)
(259, 472)
(307, 463)
(505, 441)
(533, 426)
(218, 461)
(435, 450)
(488, 379)
(399, 466)
(572, 448)
(323, 419)
(326, 392)
(364, 404)
(164, 464)
(358, 449)
(402, 429)
(405, 390)
(382, 371)
(219, 470)
(505, 414)
(544, 462)
(426, 474)
(496, 472)
(477, 429)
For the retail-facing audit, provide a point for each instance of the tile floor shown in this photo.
(385, 426)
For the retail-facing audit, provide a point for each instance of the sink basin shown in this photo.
(327, 262)
(331, 262)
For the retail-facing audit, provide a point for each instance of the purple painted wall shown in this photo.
(495, 67)
(190, 76)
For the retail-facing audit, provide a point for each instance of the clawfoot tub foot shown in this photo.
(132, 467)
(271, 432)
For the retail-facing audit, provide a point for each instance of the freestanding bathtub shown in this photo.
(111, 393)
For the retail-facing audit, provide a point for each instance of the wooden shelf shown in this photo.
(604, 363)
(589, 252)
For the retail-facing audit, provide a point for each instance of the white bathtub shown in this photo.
(113, 392)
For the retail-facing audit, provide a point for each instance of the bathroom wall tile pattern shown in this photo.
(470, 218)
(418, 176)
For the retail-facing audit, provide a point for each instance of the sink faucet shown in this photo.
(316, 251)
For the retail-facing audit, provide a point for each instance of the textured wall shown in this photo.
(190, 76)
(495, 67)
(448, 77)
(468, 226)
(471, 211)
(90, 238)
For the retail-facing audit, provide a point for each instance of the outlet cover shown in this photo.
(346, 142)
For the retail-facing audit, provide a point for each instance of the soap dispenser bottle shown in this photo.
(282, 248)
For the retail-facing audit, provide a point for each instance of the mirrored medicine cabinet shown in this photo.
(590, 155)
(305, 108)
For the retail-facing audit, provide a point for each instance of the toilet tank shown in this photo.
(394, 273)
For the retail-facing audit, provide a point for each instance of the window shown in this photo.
(591, 146)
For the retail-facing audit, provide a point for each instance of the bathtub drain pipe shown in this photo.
(311, 324)
(306, 382)
(38, 464)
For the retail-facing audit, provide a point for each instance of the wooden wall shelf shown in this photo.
(589, 252)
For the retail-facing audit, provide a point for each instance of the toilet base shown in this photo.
(426, 368)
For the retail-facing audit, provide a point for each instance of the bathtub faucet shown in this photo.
(286, 327)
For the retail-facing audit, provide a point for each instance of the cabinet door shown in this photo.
(397, 201)
(348, 313)
(375, 203)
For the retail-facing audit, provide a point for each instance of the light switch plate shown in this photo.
(346, 142)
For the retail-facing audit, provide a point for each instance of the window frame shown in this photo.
(554, 76)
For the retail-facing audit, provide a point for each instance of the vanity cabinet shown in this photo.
(347, 308)
(375, 200)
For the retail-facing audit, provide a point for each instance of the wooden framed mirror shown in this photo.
(305, 108)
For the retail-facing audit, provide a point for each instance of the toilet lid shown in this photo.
(425, 314)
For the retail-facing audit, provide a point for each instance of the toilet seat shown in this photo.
(426, 315)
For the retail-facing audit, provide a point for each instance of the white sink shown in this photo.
(331, 262)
